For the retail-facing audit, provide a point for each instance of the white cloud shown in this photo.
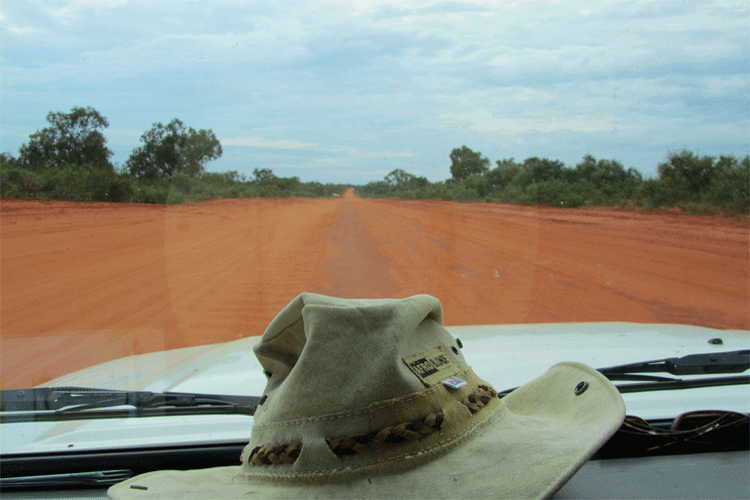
(23, 30)
(16, 29)
(258, 142)
(723, 85)
(370, 79)
(483, 121)
(71, 10)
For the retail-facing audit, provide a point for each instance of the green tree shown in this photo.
(314, 188)
(607, 176)
(543, 169)
(377, 189)
(72, 139)
(7, 160)
(168, 149)
(730, 184)
(397, 178)
(634, 176)
(263, 175)
(465, 162)
(401, 180)
(477, 183)
(687, 174)
(504, 174)
(538, 170)
(17, 181)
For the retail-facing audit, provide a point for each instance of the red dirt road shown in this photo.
(85, 283)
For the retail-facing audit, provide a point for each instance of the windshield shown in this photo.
(173, 176)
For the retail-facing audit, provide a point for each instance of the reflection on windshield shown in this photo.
(84, 283)
(174, 178)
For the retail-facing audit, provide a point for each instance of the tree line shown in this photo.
(70, 160)
(699, 184)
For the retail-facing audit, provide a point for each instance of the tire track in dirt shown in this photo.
(85, 283)
(357, 269)
(438, 253)
(502, 264)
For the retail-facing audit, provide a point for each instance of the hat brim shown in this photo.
(538, 437)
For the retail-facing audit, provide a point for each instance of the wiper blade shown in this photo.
(712, 363)
(670, 384)
(96, 478)
(70, 403)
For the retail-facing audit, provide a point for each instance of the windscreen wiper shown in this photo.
(712, 363)
(76, 403)
(48, 481)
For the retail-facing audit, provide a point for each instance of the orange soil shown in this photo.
(85, 283)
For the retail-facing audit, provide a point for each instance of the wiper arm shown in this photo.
(69, 403)
(712, 363)
(49, 481)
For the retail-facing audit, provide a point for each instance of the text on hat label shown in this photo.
(432, 366)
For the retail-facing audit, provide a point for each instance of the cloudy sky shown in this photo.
(346, 91)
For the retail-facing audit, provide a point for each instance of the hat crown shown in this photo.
(329, 360)
(343, 355)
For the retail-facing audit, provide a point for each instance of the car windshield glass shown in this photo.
(570, 179)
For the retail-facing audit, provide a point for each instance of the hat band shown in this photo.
(402, 433)
(414, 430)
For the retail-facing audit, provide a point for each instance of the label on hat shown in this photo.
(432, 366)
